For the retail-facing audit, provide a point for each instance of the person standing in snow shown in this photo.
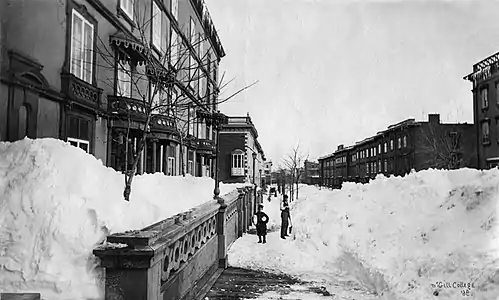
(285, 217)
(261, 224)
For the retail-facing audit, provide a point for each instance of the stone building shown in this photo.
(79, 71)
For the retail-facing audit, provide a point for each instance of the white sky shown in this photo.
(335, 72)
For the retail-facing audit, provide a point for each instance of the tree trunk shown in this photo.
(128, 185)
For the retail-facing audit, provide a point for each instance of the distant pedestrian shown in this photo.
(285, 217)
(261, 224)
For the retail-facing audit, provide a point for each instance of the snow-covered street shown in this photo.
(429, 234)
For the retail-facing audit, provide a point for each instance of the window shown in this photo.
(190, 167)
(399, 143)
(174, 47)
(379, 166)
(124, 79)
(174, 9)
(158, 98)
(391, 145)
(485, 132)
(375, 151)
(78, 132)
(379, 149)
(367, 168)
(237, 163)
(455, 141)
(156, 26)
(127, 7)
(79, 143)
(23, 120)
(405, 141)
(374, 168)
(82, 46)
(171, 166)
(386, 165)
(386, 148)
(485, 98)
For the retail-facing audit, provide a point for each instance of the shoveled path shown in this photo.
(239, 283)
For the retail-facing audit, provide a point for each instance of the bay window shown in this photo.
(82, 46)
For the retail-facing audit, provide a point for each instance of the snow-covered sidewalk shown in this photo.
(57, 203)
(430, 233)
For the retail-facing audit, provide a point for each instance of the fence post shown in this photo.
(222, 243)
(133, 272)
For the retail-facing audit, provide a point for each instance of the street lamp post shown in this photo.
(260, 178)
(217, 119)
(254, 184)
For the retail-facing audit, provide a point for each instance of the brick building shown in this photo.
(485, 80)
(238, 144)
(58, 81)
(400, 148)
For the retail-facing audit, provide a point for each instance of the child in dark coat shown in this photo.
(261, 224)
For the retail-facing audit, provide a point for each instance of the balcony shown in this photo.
(124, 108)
(80, 91)
(206, 146)
(163, 124)
(191, 142)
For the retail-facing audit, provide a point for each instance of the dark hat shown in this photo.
(260, 205)
(285, 197)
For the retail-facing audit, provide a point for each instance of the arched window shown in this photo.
(237, 163)
(22, 128)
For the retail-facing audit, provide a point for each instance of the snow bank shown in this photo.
(57, 202)
(428, 234)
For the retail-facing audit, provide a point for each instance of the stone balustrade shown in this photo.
(175, 258)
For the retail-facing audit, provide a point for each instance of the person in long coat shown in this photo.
(285, 217)
(261, 224)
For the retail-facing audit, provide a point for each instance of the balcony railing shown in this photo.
(163, 123)
(206, 146)
(127, 107)
(81, 91)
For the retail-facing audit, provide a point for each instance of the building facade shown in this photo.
(242, 158)
(399, 149)
(94, 73)
(310, 173)
(485, 80)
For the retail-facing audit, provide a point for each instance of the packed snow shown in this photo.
(432, 234)
(58, 202)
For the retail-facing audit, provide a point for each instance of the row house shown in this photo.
(91, 72)
(485, 90)
(399, 149)
(242, 158)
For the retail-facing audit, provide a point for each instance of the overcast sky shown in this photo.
(334, 72)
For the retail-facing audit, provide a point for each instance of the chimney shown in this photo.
(340, 147)
(434, 118)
